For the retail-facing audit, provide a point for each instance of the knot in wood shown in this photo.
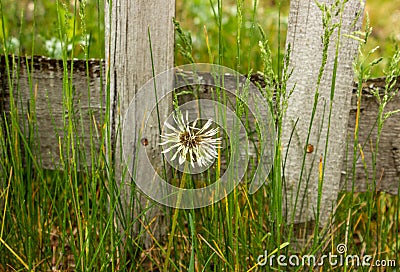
(396, 155)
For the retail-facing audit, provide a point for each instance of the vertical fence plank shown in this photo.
(129, 65)
(304, 35)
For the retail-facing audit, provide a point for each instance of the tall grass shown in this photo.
(66, 218)
(55, 219)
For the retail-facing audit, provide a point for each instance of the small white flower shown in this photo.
(191, 143)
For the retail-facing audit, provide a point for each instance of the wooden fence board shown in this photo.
(47, 87)
(139, 38)
(307, 117)
(48, 74)
(388, 158)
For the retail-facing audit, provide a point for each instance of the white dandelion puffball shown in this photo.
(189, 143)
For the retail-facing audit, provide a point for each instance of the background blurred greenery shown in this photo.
(195, 16)
(32, 27)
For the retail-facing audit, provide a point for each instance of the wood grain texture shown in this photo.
(129, 64)
(47, 79)
(304, 35)
(46, 87)
(388, 163)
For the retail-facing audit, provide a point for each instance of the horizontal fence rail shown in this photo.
(45, 84)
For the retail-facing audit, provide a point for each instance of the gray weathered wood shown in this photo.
(129, 65)
(388, 163)
(47, 76)
(304, 35)
(47, 87)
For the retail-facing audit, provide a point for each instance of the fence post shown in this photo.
(129, 66)
(305, 31)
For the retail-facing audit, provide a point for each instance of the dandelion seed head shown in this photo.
(189, 143)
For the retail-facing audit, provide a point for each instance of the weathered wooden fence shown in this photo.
(131, 25)
(47, 81)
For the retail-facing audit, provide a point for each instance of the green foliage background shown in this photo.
(30, 25)
(195, 16)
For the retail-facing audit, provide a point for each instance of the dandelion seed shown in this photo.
(190, 143)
